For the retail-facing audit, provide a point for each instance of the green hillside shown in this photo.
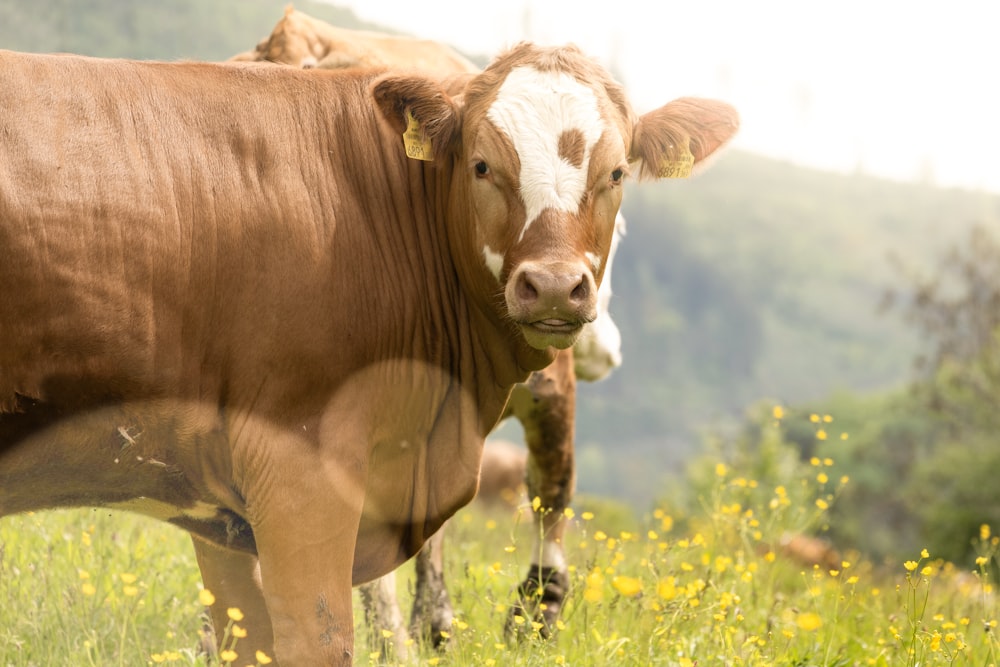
(755, 279)
(168, 30)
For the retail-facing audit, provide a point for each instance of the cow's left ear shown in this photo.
(668, 142)
(426, 118)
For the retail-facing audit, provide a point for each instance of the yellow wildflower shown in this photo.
(627, 586)
(809, 621)
(666, 588)
(205, 597)
(234, 614)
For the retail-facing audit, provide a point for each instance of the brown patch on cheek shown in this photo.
(572, 147)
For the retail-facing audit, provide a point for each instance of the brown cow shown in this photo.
(283, 309)
(544, 405)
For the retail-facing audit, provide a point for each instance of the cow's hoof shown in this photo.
(539, 601)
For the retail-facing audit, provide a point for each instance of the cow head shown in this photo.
(537, 149)
(296, 40)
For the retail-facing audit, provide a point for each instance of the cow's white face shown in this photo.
(554, 122)
(546, 187)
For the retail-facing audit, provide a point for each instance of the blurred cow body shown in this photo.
(303, 41)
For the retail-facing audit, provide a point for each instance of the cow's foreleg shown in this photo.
(432, 613)
(233, 578)
(548, 420)
(305, 510)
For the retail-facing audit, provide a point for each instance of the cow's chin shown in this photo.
(545, 334)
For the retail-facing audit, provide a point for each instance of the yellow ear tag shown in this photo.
(418, 147)
(678, 168)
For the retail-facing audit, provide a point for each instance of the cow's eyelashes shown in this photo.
(482, 169)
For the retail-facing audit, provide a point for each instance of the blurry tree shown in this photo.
(957, 311)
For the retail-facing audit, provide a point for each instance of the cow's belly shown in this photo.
(160, 459)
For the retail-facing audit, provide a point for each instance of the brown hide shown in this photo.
(230, 301)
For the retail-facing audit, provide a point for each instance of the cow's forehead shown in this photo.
(553, 121)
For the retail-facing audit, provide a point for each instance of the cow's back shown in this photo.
(149, 213)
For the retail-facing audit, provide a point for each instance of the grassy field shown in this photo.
(713, 587)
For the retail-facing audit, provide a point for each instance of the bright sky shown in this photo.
(900, 88)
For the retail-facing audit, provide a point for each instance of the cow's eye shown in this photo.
(482, 169)
(617, 176)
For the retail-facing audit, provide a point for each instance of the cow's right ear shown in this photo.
(426, 118)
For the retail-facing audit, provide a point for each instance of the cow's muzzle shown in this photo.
(551, 302)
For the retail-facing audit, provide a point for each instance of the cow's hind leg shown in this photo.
(432, 614)
(548, 421)
(386, 632)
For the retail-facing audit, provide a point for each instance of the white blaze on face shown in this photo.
(494, 261)
(537, 110)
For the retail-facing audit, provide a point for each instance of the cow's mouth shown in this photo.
(557, 326)
(552, 332)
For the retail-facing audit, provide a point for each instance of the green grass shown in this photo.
(709, 587)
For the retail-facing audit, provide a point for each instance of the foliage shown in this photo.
(169, 30)
(710, 584)
(957, 311)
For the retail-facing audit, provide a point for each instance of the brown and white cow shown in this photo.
(545, 404)
(283, 309)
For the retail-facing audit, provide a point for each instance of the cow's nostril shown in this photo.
(582, 290)
(526, 290)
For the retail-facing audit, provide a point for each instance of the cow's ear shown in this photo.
(670, 141)
(426, 118)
